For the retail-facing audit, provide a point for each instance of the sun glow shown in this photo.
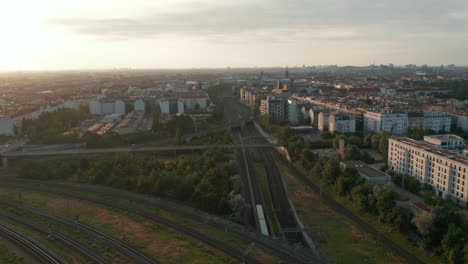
(26, 40)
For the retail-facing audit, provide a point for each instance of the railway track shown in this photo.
(73, 244)
(41, 253)
(287, 253)
(337, 207)
(126, 250)
(182, 228)
(248, 188)
(280, 201)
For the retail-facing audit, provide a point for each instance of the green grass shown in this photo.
(336, 235)
(8, 256)
(159, 241)
(61, 250)
(397, 237)
(260, 173)
(100, 247)
(401, 239)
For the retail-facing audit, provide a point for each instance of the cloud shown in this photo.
(313, 19)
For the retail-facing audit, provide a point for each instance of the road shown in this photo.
(129, 149)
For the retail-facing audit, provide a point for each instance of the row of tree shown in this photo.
(49, 128)
(419, 133)
(443, 231)
(444, 235)
(205, 181)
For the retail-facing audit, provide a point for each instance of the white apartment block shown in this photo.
(106, 107)
(450, 142)
(7, 127)
(445, 171)
(342, 124)
(396, 123)
(139, 106)
(462, 121)
(164, 106)
(180, 106)
(292, 112)
(276, 107)
(437, 121)
(323, 121)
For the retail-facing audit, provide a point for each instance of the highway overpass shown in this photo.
(67, 152)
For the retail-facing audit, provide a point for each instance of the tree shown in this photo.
(84, 163)
(368, 140)
(355, 140)
(316, 171)
(326, 135)
(423, 222)
(331, 171)
(443, 216)
(385, 203)
(301, 118)
(453, 244)
(184, 122)
(380, 142)
(352, 152)
(156, 126)
(178, 136)
(307, 157)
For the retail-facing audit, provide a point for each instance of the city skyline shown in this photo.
(52, 35)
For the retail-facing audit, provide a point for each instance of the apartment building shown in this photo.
(7, 127)
(106, 107)
(449, 142)
(461, 120)
(396, 123)
(292, 112)
(342, 124)
(437, 121)
(444, 170)
(248, 96)
(276, 107)
(323, 121)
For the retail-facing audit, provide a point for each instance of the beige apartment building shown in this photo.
(444, 170)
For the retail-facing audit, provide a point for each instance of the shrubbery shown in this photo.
(205, 181)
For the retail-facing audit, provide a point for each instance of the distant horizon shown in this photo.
(226, 68)
(184, 34)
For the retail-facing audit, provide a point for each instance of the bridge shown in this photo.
(134, 149)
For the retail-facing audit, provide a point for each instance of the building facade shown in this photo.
(106, 107)
(445, 171)
(342, 124)
(323, 121)
(438, 122)
(7, 127)
(461, 121)
(448, 142)
(276, 107)
(396, 123)
(139, 106)
(292, 112)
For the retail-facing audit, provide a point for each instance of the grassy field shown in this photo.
(337, 237)
(7, 256)
(159, 241)
(397, 237)
(61, 250)
(260, 173)
(216, 233)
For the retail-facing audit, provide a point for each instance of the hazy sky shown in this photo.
(61, 34)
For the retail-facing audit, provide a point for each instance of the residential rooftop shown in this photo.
(433, 149)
